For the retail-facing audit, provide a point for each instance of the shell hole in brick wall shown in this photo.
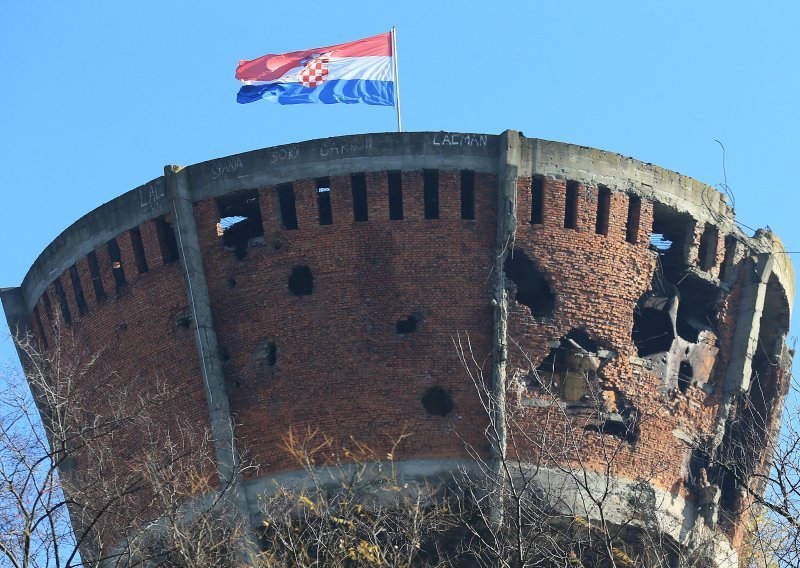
(652, 330)
(697, 309)
(671, 233)
(437, 401)
(569, 371)
(231, 282)
(301, 281)
(239, 221)
(533, 289)
(408, 325)
(324, 201)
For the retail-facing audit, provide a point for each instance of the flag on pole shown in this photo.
(361, 71)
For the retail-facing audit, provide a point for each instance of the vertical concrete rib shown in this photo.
(745, 338)
(507, 171)
(227, 459)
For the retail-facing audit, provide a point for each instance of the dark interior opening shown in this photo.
(77, 290)
(324, 201)
(232, 282)
(537, 200)
(62, 301)
(116, 264)
(301, 281)
(467, 194)
(652, 330)
(358, 186)
(684, 376)
(533, 289)
(166, 240)
(97, 280)
(286, 206)
(670, 236)
(437, 401)
(138, 250)
(707, 251)
(240, 220)
(408, 325)
(37, 321)
(571, 206)
(727, 263)
(430, 188)
(623, 429)
(272, 354)
(697, 308)
(569, 370)
(48, 307)
(395, 196)
(603, 209)
(634, 218)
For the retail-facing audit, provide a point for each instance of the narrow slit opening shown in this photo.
(77, 290)
(467, 195)
(537, 200)
(603, 208)
(324, 201)
(62, 301)
(358, 186)
(286, 205)
(571, 206)
(116, 264)
(138, 250)
(37, 322)
(167, 242)
(632, 222)
(48, 307)
(430, 188)
(395, 196)
(97, 280)
(707, 251)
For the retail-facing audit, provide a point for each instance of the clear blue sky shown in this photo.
(97, 97)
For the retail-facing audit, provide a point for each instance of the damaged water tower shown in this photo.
(322, 284)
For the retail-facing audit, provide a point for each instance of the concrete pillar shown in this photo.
(227, 458)
(507, 173)
(745, 338)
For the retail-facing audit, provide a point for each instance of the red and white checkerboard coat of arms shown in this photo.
(315, 71)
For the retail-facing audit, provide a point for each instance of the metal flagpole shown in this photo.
(396, 79)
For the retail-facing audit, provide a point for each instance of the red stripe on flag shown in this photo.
(271, 67)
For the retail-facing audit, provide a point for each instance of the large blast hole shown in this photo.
(239, 221)
(533, 290)
(301, 281)
(437, 401)
(652, 331)
(569, 371)
(669, 238)
(697, 308)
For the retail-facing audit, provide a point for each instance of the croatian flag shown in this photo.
(360, 71)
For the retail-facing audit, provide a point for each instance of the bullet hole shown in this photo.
(533, 290)
(437, 401)
(277, 245)
(184, 322)
(301, 281)
(121, 328)
(181, 319)
(224, 355)
(265, 355)
(684, 376)
(408, 325)
(231, 282)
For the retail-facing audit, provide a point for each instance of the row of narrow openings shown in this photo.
(359, 194)
(571, 205)
(169, 253)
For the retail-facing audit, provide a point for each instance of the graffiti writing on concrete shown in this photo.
(226, 166)
(341, 148)
(459, 139)
(151, 194)
(283, 154)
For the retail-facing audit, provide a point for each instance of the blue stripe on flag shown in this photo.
(333, 91)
